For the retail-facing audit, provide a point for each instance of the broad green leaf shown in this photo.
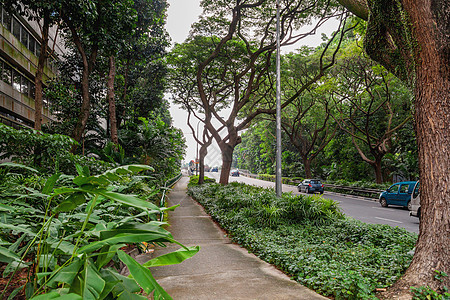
(50, 183)
(129, 169)
(14, 247)
(6, 208)
(55, 295)
(14, 165)
(143, 277)
(64, 275)
(8, 256)
(122, 288)
(72, 202)
(79, 169)
(124, 199)
(93, 283)
(151, 227)
(94, 180)
(127, 238)
(18, 228)
(64, 247)
(64, 190)
(172, 258)
(107, 253)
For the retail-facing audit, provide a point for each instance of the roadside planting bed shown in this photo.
(310, 239)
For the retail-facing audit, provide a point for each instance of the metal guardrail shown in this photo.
(167, 185)
(353, 189)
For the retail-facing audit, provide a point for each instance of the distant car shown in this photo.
(311, 186)
(235, 173)
(398, 194)
(214, 169)
(415, 201)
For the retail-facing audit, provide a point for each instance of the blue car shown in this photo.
(398, 194)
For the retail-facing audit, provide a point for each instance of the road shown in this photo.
(363, 209)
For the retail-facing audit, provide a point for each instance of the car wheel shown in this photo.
(321, 192)
(383, 202)
(409, 205)
(299, 189)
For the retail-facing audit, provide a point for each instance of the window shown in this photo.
(24, 37)
(16, 28)
(32, 90)
(404, 188)
(38, 49)
(17, 81)
(31, 44)
(6, 20)
(416, 190)
(6, 74)
(25, 86)
(394, 188)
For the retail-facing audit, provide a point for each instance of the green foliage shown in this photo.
(46, 152)
(284, 180)
(155, 143)
(310, 240)
(193, 180)
(426, 293)
(68, 232)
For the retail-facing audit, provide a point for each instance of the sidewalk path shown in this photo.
(220, 270)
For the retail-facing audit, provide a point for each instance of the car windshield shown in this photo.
(315, 181)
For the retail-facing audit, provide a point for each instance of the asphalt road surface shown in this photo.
(364, 209)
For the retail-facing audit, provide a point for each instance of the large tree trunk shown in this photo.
(433, 136)
(202, 155)
(227, 159)
(88, 64)
(40, 73)
(85, 108)
(111, 101)
(377, 168)
(307, 165)
(418, 30)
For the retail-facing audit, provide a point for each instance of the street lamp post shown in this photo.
(278, 186)
(196, 159)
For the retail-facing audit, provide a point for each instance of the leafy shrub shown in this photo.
(285, 180)
(193, 180)
(46, 152)
(309, 239)
(67, 232)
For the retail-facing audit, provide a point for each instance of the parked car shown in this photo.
(415, 201)
(311, 186)
(235, 173)
(214, 169)
(398, 194)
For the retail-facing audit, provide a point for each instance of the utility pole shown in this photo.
(196, 158)
(278, 187)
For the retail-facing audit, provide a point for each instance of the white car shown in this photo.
(415, 201)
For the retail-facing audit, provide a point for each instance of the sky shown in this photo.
(181, 14)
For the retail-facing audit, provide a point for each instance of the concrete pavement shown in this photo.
(220, 270)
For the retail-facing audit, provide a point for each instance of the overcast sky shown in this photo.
(181, 14)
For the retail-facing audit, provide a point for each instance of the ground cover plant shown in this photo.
(64, 236)
(310, 239)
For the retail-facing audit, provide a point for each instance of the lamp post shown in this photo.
(278, 186)
(196, 158)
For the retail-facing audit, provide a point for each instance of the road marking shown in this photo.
(388, 220)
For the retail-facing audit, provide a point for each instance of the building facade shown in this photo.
(20, 45)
